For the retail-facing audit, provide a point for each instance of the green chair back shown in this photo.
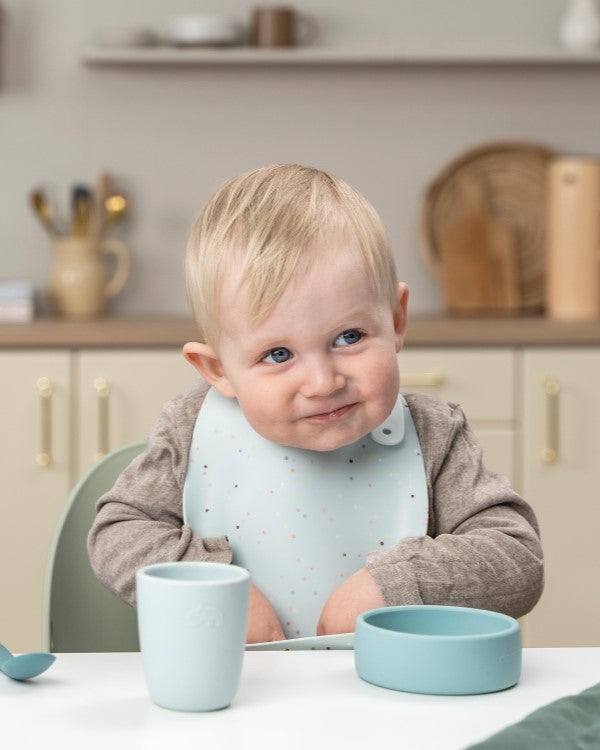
(79, 613)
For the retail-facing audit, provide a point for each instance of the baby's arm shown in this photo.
(263, 624)
(355, 595)
(483, 549)
(139, 521)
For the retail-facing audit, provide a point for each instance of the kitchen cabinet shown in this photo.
(561, 437)
(483, 383)
(120, 394)
(61, 410)
(529, 395)
(35, 403)
(536, 412)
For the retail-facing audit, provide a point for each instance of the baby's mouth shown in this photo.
(330, 416)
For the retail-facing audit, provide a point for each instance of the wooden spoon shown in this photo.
(43, 210)
(98, 218)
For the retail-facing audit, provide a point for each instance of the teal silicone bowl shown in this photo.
(438, 650)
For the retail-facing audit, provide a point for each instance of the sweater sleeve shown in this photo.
(483, 547)
(140, 520)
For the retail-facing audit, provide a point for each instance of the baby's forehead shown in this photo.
(257, 282)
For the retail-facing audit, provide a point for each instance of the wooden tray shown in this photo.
(512, 177)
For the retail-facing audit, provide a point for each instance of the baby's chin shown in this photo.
(324, 443)
(320, 438)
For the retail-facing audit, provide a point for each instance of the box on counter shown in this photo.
(16, 301)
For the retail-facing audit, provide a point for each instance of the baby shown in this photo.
(297, 456)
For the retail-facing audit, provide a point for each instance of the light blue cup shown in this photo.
(438, 650)
(192, 625)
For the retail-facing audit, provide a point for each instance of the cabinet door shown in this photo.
(121, 394)
(561, 447)
(34, 463)
(482, 382)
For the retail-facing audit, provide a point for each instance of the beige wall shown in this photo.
(172, 135)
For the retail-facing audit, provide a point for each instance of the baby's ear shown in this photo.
(400, 314)
(204, 358)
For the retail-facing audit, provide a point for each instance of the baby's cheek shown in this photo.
(265, 421)
(385, 384)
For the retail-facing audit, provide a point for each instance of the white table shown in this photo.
(286, 700)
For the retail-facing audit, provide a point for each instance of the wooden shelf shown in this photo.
(164, 331)
(302, 56)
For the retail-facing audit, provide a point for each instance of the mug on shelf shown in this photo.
(281, 26)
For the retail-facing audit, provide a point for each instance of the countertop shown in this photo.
(287, 700)
(165, 331)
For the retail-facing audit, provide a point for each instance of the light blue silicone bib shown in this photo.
(302, 521)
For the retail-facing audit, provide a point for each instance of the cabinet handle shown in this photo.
(551, 388)
(102, 387)
(44, 456)
(421, 379)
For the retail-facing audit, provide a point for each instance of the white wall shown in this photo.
(171, 136)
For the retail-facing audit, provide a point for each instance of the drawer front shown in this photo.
(136, 386)
(482, 382)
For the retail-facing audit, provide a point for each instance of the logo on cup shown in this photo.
(204, 616)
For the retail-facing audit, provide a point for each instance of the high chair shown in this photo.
(79, 613)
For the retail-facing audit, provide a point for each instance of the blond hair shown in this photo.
(274, 218)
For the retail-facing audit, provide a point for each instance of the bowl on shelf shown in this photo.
(438, 650)
(204, 30)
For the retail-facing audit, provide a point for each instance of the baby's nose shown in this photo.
(321, 378)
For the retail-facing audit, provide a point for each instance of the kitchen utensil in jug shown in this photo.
(44, 210)
(80, 283)
(573, 231)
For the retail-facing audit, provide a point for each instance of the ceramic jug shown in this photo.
(80, 283)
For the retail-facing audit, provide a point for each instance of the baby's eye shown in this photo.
(348, 337)
(276, 356)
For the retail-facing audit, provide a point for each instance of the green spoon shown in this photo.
(24, 666)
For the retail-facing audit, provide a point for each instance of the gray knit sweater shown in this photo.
(482, 547)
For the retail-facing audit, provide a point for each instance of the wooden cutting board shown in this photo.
(478, 258)
(513, 177)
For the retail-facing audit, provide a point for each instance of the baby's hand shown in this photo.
(263, 624)
(355, 595)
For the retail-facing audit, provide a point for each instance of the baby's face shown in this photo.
(320, 371)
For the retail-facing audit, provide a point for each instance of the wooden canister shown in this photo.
(573, 235)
